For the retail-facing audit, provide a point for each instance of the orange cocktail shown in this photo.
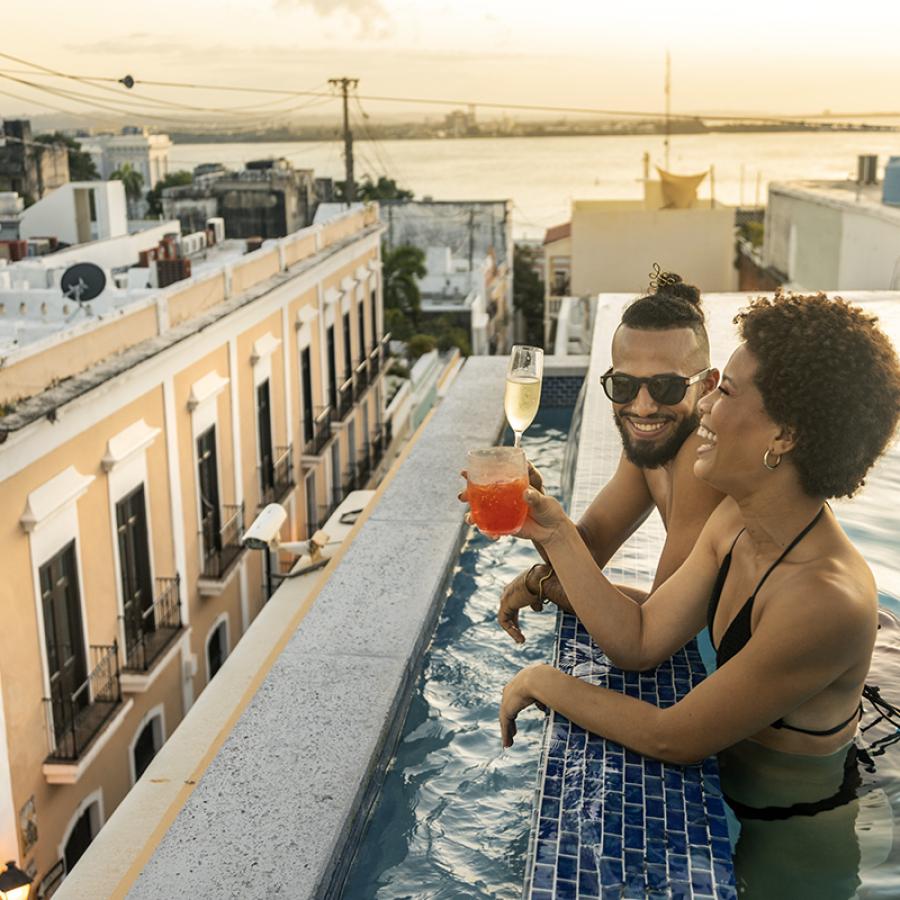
(497, 479)
(499, 508)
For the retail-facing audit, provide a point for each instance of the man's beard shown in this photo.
(649, 455)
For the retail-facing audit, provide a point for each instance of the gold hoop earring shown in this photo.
(771, 466)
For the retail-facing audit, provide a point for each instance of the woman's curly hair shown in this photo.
(827, 372)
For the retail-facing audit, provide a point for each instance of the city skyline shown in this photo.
(776, 61)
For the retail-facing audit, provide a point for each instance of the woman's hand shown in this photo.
(517, 695)
(545, 518)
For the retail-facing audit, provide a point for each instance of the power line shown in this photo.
(484, 104)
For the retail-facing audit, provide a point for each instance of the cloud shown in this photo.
(370, 15)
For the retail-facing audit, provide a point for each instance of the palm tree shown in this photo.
(402, 267)
(132, 181)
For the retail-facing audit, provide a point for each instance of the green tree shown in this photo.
(528, 293)
(367, 190)
(81, 165)
(132, 181)
(449, 335)
(402, 267)
(154, 195)
(420, 344)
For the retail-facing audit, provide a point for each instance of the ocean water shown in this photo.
(543, 175)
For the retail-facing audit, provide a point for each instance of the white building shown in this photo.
(146, 153)
(832, 236)
(78, 212)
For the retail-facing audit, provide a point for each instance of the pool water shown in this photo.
(453, 818)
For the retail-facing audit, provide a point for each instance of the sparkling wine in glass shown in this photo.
(523, 388)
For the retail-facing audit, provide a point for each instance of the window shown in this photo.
(332, 367)
(208, 479)
(134, 560)
(147, 745)
(81, 833)
(264, 425)
(306, 394)
(373, 298)
(348, 365)
(362, 330)
(312, 519)
(64, 638)
(216, 649)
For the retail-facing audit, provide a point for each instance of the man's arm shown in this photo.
(616, 512)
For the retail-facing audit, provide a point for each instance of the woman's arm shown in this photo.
(633, 636)
(797, 651)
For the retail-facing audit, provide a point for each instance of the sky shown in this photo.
(773, 56)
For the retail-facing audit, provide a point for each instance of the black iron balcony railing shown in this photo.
(282, 479)
(321, 432)
(148, 633)
(344, 401)
(48, 883)
(76, 714)
(218, 556)
(361, 379)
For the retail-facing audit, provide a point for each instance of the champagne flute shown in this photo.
(523, 388)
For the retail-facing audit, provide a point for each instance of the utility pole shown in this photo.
(346, 85)
(668, 104)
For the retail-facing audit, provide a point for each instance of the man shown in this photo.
(660, 370)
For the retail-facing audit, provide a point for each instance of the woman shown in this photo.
(806, 405)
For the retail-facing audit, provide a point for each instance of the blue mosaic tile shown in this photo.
(567, 868)
(588, 884)
(614, 824)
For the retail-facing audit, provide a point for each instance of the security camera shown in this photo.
(263, 533)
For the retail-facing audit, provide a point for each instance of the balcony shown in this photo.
(278, 482)
(378, 447)
(149, 634)
(75, 717)
(344, 401)
(314, 448)
(221, 550)
(361, 377)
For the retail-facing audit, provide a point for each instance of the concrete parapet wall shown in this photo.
(36, 372)
(195, 299)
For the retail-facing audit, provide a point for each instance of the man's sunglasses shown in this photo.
(665, 389)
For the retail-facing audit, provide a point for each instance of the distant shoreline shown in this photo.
(392, 134)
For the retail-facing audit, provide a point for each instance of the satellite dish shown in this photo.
(83, 282)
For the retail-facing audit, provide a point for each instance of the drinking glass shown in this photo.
(497, 480)
(523, 388)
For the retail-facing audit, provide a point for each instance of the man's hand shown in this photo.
(534, 478)
(517, 595)
(522, 591)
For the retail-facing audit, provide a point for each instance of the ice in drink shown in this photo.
(499, 507)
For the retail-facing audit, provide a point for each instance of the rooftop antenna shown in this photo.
(668, 105)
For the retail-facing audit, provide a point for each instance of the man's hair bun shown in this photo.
(672, 285)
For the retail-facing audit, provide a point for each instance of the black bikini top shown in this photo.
(739, 632)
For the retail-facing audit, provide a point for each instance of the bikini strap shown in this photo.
(788, 549)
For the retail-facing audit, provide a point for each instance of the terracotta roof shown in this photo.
(558, 232)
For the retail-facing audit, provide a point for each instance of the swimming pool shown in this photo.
(455, 809)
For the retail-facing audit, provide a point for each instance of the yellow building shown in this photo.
(140, 434)
(609, 246)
